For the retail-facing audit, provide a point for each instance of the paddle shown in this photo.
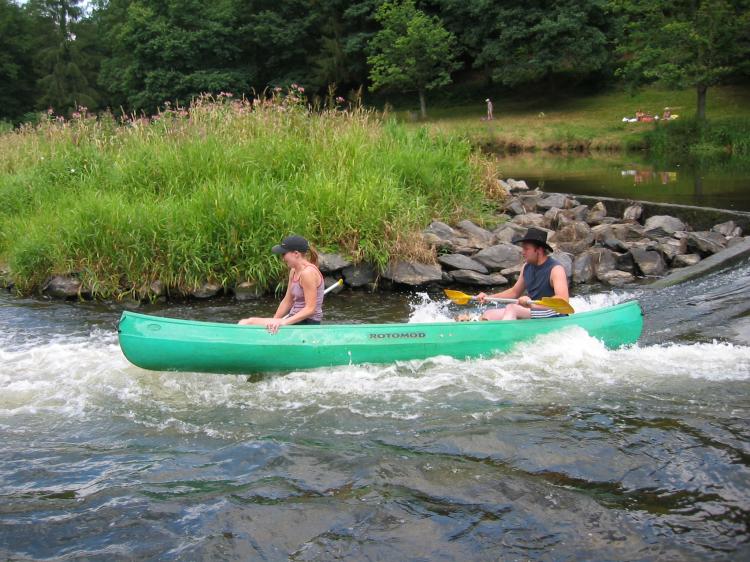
(332, 287)
(561, 306)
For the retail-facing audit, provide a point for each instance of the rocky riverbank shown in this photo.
(593, 246)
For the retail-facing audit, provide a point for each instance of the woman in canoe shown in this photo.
(541, 276)
(303, 301)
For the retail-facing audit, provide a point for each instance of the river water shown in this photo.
(559, 450)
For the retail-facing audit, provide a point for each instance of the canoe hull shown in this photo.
(166, 344)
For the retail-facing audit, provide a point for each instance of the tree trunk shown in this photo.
(701, 112)
(422, 104)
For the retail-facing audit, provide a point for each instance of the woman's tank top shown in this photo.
(536, 279)
(298, 297)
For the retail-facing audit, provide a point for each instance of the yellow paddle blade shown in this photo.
(561, 306)
(457, 296)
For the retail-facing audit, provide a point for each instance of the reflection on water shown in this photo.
(559, 450)
(723, 184)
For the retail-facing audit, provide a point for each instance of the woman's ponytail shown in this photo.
(312, 255)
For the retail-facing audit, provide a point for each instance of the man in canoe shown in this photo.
(541, 276)
(303, 301)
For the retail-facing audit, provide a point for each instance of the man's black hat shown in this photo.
(291, 244)
(536, 236)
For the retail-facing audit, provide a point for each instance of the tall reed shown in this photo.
(201, 193)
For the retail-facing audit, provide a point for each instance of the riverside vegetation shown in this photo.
(138, 207)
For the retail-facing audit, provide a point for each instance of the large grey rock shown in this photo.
(706, 243)
(566, 260)
(667, 223)
(633, 213)
(512, 273)
(507, 233)
(515, 206)
(580, 212)
(686, 260)
(583, 268)
(500, 256)
(672, 247)
(441, 244)
(467, 277)
(625, 232)
(459, 261)
(414, 274)
(604, 261)
(531, 219)
(625, 262)
(247, 291)
(519, 185)
(556, 200)
(597, 213)
(574, 238)
(650, 263)
(728, 228)
(615, 245)
(63, 287)
(477, 236)
(617, 278)
(206, 291)
(441, 230)
(330, 263)
(359, 275)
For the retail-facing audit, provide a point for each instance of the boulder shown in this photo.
(515, 206)
(736, 240)
(633, 213)
(566, 260)
(330, 263)
(359, 275)
(476, 233)
(617, 278)
(529, 200)
(650, 263)
(531, 219)
(248, 291)
(574, 238)
(604, 261)
(580, 212)
(507, 233)
(499, 257)
(583, 268)
(556, 200)
(727, 229)
(667, 223)
(433, 240)
(625, 232)
(615, 245)
(625, 262)
(517, 185)
(685, 260)
(512, 273)
(706, 243)
(468, 277)
(206, 291)
(63, 287)
(459, 261)
(441, 230)
(672, 247)
(597, 213)
(414, 274)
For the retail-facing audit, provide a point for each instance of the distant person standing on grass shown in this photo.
(489, 109)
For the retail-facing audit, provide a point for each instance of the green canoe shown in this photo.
(166, 344)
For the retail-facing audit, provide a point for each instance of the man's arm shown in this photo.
(559, 281)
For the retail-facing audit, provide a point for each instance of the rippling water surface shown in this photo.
(559, 450)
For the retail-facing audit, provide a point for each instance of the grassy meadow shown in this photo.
(200, 194)
(541, 121)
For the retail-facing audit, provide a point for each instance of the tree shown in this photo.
(17, 78)
(683, 43)
(519, 42)
(412, 51)
(62, 85)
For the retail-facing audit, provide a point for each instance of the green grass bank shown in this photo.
(201, 194)
(543, 121)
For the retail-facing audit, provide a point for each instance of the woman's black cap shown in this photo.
(291, 244)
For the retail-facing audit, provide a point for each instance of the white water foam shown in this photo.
(77, 378)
